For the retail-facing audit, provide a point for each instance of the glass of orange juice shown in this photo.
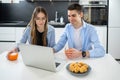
(12, 56)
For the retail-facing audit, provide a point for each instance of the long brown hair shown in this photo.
(34, 26)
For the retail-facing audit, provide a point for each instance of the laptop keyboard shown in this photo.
(57, 64)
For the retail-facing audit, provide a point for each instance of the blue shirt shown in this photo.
(90, 40)
(50, 36)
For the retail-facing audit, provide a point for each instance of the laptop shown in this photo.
(40, 57)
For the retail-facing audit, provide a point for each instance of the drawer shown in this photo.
(19, 33)
(8, 30)
(7, 37)
(7, 34)
(5, 46)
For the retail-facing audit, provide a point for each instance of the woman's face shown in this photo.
(40, 19)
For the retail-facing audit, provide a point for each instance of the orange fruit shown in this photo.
(12, 56)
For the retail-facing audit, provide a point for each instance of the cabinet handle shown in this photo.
(7, 41)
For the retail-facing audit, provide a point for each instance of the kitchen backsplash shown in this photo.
(22, 11)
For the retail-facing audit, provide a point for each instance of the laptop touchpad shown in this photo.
(57, 64)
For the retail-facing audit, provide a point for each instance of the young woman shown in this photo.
(38, 32)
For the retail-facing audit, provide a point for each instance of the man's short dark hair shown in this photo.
(75, 6)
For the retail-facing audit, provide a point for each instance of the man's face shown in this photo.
(74, 17)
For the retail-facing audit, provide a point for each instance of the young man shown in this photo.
(82, 37)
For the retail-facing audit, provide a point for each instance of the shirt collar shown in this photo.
(84, 24)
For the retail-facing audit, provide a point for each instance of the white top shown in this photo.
(105, 68)
(77, 38)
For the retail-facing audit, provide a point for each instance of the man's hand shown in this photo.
(73, 53)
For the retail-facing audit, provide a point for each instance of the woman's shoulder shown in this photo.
(27, 29)
(51, 28)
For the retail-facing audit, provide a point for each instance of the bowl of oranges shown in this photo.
(78, 68)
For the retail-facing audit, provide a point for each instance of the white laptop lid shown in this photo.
(38, 56)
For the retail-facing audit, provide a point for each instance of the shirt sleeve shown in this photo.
(25, 35)
(62, 41)
(98, 50)
(51, 41)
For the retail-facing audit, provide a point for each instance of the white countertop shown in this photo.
(105, 68)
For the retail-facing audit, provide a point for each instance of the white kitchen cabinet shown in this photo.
(58, 33)
(114, 13)
(7, 38)
(6, 46)
(7, 33)
(114, 42)
(114, 29)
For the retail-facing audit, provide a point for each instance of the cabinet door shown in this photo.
(114, 13)
(114, 42)
(19, 33)
(5, 46)
(7, 38)
(7, 33)
(58, 33)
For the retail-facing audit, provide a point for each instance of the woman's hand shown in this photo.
(15, 50)
(73, 53)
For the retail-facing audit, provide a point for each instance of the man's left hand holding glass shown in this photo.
(73, 53)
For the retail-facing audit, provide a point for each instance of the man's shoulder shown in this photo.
(50, 27)
(88, 25)
(68, 25)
